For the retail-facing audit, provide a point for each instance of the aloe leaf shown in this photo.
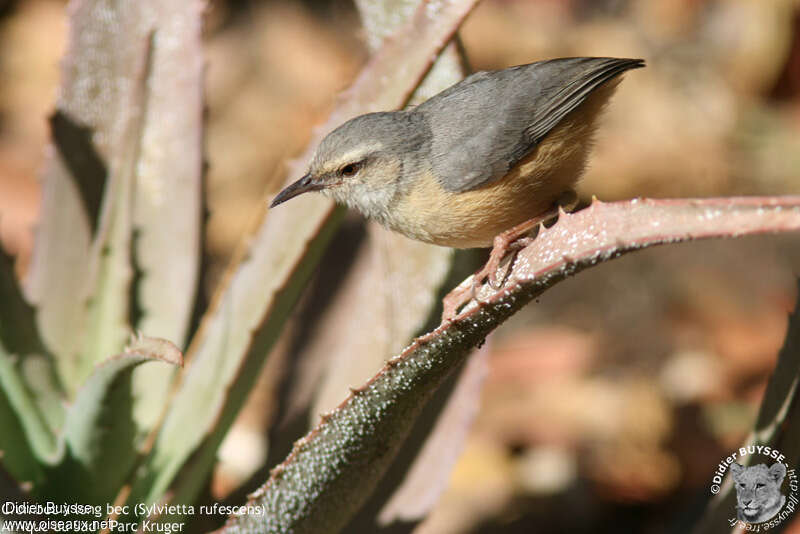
(107, 323)
(36, 430)
(17, 455)
(73, 179)
(243, 321)
(20, 337)
(169, 174)
(80, 272)
(331, 471)
(385, 261)
(384, 18)
(99, 431)
(30, 396)
(168, 193)
(382, 318)
(17, 318)
(59, 266)
(436, 446)
(32, 409)
(226, 362)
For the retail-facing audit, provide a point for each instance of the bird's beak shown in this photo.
(303, 185)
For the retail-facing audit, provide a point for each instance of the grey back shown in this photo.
(484, 125)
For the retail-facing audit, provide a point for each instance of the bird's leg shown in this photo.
(515, 239)
(458, 297)
(512, 240)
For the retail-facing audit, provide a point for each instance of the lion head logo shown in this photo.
(758, 491)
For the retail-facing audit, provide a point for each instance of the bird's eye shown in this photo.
(350, 169)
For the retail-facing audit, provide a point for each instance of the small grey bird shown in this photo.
(483, 161)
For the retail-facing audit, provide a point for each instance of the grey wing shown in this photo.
(483, 126)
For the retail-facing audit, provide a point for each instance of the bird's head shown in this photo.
(363, 163)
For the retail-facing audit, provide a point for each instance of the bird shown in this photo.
(480, 164)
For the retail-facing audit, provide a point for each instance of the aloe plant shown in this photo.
(118, 251)
(103, 267)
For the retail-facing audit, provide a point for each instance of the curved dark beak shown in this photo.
(303, 185)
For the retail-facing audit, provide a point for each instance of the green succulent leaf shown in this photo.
(26, 422)
(20, 338)
(17, 456)
(99, 434)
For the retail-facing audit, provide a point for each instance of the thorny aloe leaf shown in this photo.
(242, 324)
(19, 336)
(31, 409)
(169, 173)
(382, 317)
(73, 179)
(99, 433)
(783, 385)
(168, 192)
(17, 454)
(358, 440)
(384, 18)
(107, 321)
(216, 386)
(427, 477)
(26, 412)
(104, 151)
(777, 425)
(17, 318)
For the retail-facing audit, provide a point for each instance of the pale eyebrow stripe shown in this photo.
(353, 155)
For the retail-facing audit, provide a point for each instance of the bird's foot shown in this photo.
(468, 290)
(460, 296)
(512, 240)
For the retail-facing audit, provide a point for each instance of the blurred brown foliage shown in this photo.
(658, 359)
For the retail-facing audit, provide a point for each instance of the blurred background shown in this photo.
(608, 402)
